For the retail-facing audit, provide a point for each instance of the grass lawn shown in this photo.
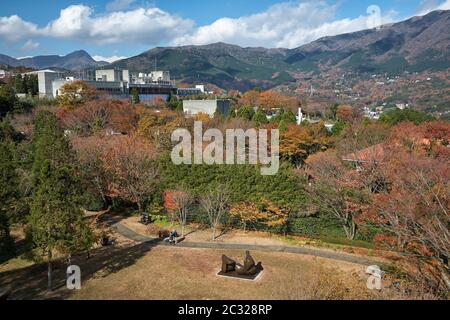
(175, 273)
(140, 271)
(129, 270)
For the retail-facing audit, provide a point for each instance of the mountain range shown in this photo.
(415, 45)
(74, 61)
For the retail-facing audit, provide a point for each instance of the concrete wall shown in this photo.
(45, 82)
(112, 75)
(193, 107)
(105, 75)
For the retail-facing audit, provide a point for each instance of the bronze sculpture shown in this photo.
(249, 269)
(228, 265)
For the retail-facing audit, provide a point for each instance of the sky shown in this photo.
(114, 29)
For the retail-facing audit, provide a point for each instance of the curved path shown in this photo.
(132, 235)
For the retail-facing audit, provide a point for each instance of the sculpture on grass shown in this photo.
(250, 268)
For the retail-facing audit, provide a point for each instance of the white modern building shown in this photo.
(112, 75)
(209, 107)
(113, 82)
(152, 77)
(45, 82)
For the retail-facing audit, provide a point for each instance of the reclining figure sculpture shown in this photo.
(248, 269)
(228, 265)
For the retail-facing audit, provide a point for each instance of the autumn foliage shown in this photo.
(266, 213)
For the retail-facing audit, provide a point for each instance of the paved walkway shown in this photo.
(132, 235)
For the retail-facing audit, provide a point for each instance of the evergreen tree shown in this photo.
(8, 195)
(18, 83)
(282, 126)
(49, 144)
(56, 220)
(9, 185)
(135, 96)
(246, 113)
(7, 100)
(260, 118)
(6, 242)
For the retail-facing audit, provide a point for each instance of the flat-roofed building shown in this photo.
(209, 107)
(45, 81)
(112, 75)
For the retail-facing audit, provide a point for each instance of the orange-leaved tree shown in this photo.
(178, 203)
(133, 171)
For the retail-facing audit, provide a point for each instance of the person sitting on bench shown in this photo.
(172, 238)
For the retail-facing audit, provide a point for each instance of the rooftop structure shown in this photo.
(161, 77)
(112, 75)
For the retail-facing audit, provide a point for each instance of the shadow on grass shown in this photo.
(31, 282)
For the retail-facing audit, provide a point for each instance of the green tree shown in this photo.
(260, 117)
(338, 127)
(30, 84)
(246, 113)
(8, 195)
(56, 220)
(49, 144)
(7, 100)
(6, 242)
(282, 126)
(289, 117)
(396, 116)
(135, 96)
(19, 84)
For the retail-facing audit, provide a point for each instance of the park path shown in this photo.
(339, 256)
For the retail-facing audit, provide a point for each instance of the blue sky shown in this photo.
(121, 28)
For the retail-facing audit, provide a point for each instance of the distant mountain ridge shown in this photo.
(77, 60)
(415, 45)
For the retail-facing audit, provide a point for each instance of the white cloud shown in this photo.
(30, 45)
(288, 24)
(444, 6)
(13, 28)
(118, 5)
(150, 26)
(108, 59)
(426, 6)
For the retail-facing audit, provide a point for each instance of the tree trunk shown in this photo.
(214, 234)
(49, 270)
(139, 207)
(350, 230)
